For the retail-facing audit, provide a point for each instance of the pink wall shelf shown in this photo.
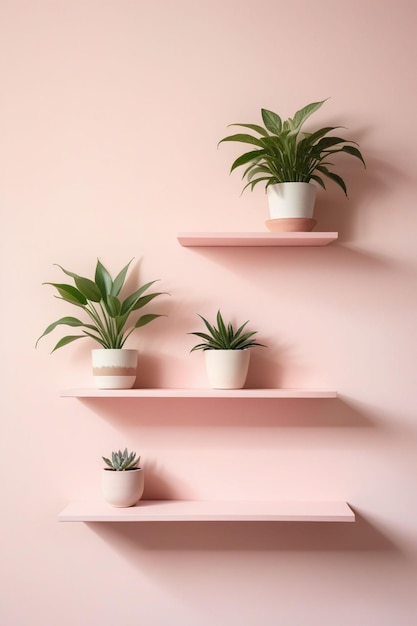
(206, 511)
(197, 393)
(255, 239)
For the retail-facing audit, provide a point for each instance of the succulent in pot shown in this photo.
(284, 153)
(108, 323)
(122, 461)
(122, 479)
(226, 352)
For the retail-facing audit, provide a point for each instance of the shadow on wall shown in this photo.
(131, 538)
(130, 415)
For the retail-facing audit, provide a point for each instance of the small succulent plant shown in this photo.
(121, 461)
(225, 337)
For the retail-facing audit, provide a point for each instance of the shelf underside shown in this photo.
(209, 511)
(198, 393)
(256, 239)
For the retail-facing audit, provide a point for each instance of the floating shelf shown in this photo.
(197, 393)
(255, 239)
(205, 511)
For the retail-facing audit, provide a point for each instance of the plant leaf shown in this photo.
(66, 340)
(113, 305)
(245, 158)
(87, 287)
(69, 293)
(243, 138)
(334, 177)
(272, 121)
(145, 319)
(119, 280)
(68, 321)
(103, 280)
(303, 114)
(255, 127)
(130, 302)
(354, 152)
(145, 299)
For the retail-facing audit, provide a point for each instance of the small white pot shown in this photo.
(227, 369)
(291, 200)
(114, 369)
(124, 488)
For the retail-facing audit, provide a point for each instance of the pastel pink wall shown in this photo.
(110, 116)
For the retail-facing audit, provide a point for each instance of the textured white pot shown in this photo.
(114, 369)
(123, 489)
(227, 369)
(289, 200)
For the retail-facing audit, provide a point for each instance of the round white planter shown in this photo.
(124, 488)
(291, 200)
(114, 369)
(227, 369)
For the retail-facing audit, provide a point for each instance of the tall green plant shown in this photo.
(285, 153)
(99, 298)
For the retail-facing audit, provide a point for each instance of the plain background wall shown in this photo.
(110, 116)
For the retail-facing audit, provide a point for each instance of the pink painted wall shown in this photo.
(110, 116)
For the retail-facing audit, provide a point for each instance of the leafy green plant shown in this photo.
(122, 461)
(99, 299)
(224, 337)
(285, 153)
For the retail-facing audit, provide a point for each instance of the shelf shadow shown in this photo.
(358, 537)
(236, 412)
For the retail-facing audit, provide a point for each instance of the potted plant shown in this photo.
(226, 352)
(122, 479)
(288, 161)
(109, 323)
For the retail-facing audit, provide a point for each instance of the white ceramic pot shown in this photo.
(114, 369)
(291, 200)
(124, 488)
(227, 369)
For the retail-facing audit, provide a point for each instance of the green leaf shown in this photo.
(243, 138)
(103, 280)
(107, 461)
(301, 116)
(67, 321)
(66, 340)
(272, 121)
(245, 158)
(354, 152)
(221, 325)
(334, 177)
(145, 319)
(146, 299)
(104, 342)
(318, 180)
(311, 138)
(69, 293)
(130, 302)
(119, 280)
(328, 142)
(113, 306)
(87, 287)
(255, 127)
(252, 183)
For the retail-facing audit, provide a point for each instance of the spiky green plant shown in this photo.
(285, 153)
(99, 299)
(224, 337)
(122, 461)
